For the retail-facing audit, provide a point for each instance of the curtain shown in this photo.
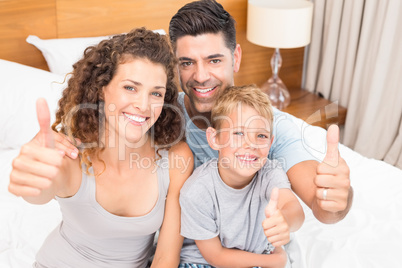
(355, 58)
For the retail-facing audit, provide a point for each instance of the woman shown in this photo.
(121, 104)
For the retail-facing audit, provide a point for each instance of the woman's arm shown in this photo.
(216, 255)
(39, 171)
(170, 241)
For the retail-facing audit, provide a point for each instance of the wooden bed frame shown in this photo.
(76, 18)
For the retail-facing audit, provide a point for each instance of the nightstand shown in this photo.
(314, 109)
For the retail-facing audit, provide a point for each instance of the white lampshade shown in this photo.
(279, 23)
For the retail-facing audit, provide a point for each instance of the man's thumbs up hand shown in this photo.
(332, 179)
(332, 156)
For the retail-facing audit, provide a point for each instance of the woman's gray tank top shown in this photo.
(89, 236)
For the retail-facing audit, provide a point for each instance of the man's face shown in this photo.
(206, 66)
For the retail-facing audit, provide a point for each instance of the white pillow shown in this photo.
(61, 54)
(20, 87)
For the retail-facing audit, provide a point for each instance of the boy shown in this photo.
(223, 202)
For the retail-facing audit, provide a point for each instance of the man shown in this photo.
(203, 36)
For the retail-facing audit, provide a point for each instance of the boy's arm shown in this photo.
(284, 214)
(170, 241)
(216, 255)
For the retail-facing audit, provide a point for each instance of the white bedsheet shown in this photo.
(23, 226)
(369, 236)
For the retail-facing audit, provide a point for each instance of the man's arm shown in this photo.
(216, 255)
(310, 180)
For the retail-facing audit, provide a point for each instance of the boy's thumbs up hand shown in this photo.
(332, 179)
(275, 227)
(272, 206)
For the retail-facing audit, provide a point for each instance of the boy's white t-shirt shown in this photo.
(210, 208)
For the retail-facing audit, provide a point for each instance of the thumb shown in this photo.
(331, 157)
(273, 203)
(43, 114)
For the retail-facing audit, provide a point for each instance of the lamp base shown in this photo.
(277, 92)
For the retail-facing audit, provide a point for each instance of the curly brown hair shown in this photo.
(81, 108)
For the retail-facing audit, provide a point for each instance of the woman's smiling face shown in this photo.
(134, 99)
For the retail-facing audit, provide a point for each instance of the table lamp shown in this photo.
(279, 24)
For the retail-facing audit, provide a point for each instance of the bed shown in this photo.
(35, 66)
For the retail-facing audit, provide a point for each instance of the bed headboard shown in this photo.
(76, 18)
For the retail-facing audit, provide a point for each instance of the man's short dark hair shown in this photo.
(201, 17)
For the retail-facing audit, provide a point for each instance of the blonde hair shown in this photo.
(249, 95)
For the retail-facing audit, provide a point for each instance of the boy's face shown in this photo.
(243, 141)
(206, 66)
